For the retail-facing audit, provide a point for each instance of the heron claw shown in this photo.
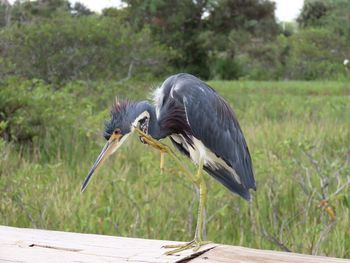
(195, 244)
(148, 139)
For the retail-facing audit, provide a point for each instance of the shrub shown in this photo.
(226, 69)
(316, 53)
(69, 48)
(32, 109)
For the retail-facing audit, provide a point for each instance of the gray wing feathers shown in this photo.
(213, 122)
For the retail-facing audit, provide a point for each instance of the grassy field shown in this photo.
(299, 137)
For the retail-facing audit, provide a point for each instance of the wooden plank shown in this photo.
(235, 254)
(33, 245)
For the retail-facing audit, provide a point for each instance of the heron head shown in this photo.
(125, 116)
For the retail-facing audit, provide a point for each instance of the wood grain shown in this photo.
(34, 245)
(234, 254)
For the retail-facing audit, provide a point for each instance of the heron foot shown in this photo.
(148, 139)
(194, 244)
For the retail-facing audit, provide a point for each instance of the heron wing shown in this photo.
(213, 122)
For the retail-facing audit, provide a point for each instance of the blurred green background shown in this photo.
(61, 67)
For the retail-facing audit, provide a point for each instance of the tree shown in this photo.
(80, 9)
(198, 30)
(312, 13)
(2, 15)
(176, 24)
(254, 16)
(24, 12)
(338, 17)
(237, 31)
(5, 13)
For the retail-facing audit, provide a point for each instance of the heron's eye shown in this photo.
(117, 131)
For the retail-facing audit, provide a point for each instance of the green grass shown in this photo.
(298, 133)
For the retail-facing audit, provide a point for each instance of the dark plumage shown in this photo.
(119, 110)
(206, 116)
(188, 110)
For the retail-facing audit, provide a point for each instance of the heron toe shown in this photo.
(195, 244)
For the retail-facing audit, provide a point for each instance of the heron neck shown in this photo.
(154, 128)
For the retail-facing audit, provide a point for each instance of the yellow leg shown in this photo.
(198, 240)
(161, 162)
(202, 202)
(198, 180)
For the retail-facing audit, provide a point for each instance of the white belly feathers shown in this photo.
(200, 152)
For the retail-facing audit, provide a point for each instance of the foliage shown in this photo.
(316, 53)
(30, 110)
(89, 47)
(165, 18)
(214, 19)
(24, 12)
(312, 13)
(225, 68)
(81, 10)
(338, 19)
(236, 29)
(249, 58)
(3, 14)
(295, 170)
(252, 16)
(226, 39)
(330, 14)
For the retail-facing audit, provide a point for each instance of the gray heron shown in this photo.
(200, 124)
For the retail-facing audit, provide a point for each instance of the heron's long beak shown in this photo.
(110, 147)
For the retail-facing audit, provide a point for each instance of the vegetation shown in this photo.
(298, 134)
(222, 39)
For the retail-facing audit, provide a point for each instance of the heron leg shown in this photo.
(198, 240)
(201, 229)
(198, 180)
(161, 162)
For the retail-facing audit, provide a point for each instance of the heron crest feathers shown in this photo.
(120, 105)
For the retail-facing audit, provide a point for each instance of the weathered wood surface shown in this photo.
(33, 245)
